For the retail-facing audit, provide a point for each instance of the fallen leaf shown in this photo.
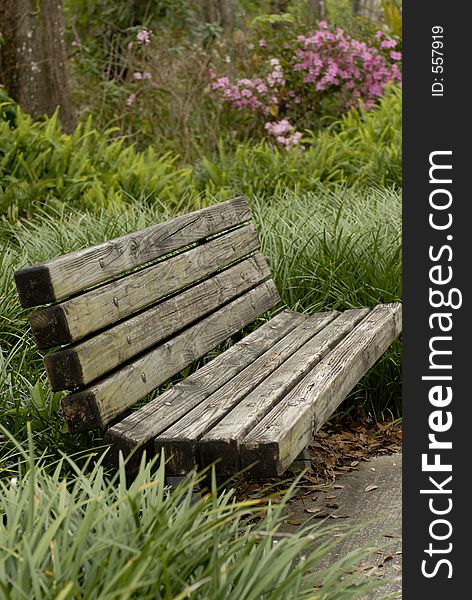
(354, 463)
(293, 522)
(332, 505)
(371, 488)
(338, 486)
(339, 516)
(312, 511)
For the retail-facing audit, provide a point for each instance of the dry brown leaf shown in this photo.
(293, 522)
(371, 488)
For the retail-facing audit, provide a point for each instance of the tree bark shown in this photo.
(316, 11)
(33, 58)
(356, 6)
(219, 11)
(367, 8)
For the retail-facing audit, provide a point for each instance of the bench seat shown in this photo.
(127, 315)
(260, 402)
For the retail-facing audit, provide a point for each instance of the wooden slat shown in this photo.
(103, 401)
(86, 361)
(222, 441)
(141, 427)
(280, 436)
(80, 316)
(74, 272)
(180, 442)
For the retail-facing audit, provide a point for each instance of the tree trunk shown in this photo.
(316, 11)
(368, 8)
(356, 6)
(219, 11)
(33, 58)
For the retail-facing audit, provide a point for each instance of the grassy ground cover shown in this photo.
(89, 536)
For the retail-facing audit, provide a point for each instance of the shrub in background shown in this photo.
(41, 165)
(311, 77)
(361, 149)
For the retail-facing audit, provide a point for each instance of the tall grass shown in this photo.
(334, 249)
(88, 536)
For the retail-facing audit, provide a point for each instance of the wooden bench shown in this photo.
(131, 313)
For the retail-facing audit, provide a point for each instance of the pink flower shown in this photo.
(137, 75)
(130, 45)
(144, 36)
(131, 100)
(395, 55)
(262, 43)
(147, 75)
(388, 44)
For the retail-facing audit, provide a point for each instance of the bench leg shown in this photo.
(174, 481)
(303, 460)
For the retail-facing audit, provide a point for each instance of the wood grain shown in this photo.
(180, 442)
(139, 429)
(112, 395)
(85, 361)
(222, 441)
(74, 272)
(280, 436)
(114, 301)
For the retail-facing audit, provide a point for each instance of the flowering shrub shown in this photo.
(143, 38)
(317, 75)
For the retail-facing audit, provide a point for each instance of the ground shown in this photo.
(355, 478)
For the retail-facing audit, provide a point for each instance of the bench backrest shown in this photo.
(135, 311)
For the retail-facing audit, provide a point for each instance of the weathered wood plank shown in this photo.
(74, 272)
(86, 361)
(141, 427)
(278, 438)
(222, 441)
(180, 441)
(80, 316)
(112, 395)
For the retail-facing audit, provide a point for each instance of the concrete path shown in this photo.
(371, 498)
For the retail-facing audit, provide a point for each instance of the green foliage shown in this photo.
(41, 166)
(392, 17)
(88, 536)
(363, 148)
